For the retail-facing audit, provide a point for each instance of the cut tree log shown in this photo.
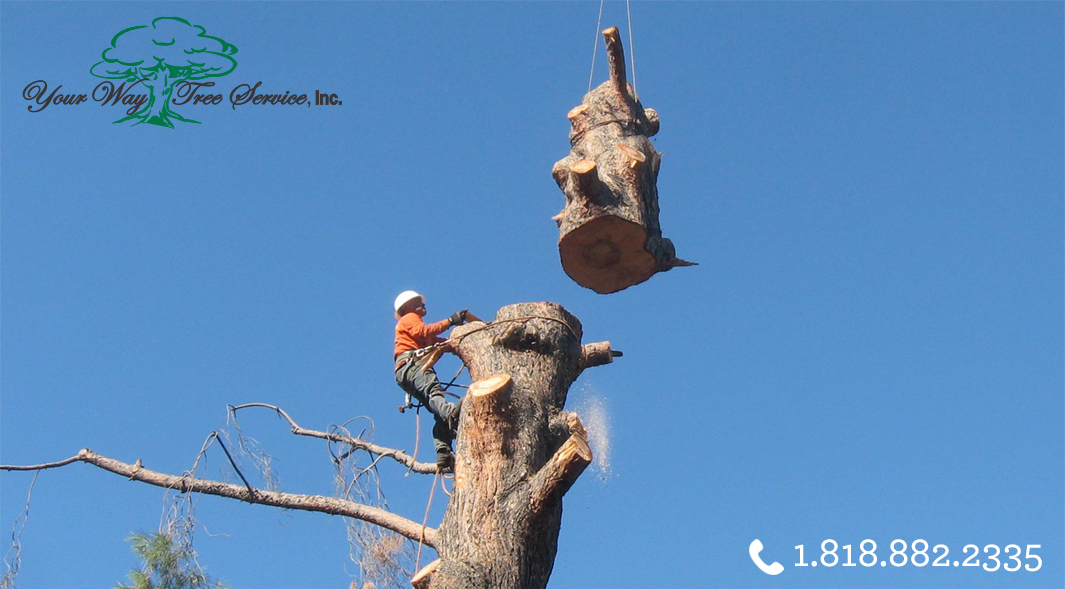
(609, 235)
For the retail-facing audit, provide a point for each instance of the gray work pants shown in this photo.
(424, 386)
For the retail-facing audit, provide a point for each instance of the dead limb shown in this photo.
(43, 466)
(356, 443)
(189, 484)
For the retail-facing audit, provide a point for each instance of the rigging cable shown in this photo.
(632, 51)
(632, 48)
(595, 46)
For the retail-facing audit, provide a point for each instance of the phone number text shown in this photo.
(917, 554)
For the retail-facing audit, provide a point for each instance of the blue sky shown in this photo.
(871, 346)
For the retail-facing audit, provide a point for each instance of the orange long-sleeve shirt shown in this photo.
(412, 333)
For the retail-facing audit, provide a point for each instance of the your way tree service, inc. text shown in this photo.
(186, 93)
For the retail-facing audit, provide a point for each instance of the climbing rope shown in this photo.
(417, 438)
(498, 322)
(451, 383)
(425, 520)
(628, 127)
(444, 486)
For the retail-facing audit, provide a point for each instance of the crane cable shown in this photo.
(632, 51)
(632, 48)
(595, 46)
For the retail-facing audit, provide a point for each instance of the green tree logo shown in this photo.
(161, 56)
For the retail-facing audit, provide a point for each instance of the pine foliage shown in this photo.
(166, 565)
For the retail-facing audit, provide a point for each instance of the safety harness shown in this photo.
(428, 356)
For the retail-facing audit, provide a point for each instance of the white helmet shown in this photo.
(404, 298)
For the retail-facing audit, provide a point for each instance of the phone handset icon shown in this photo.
(771, 569)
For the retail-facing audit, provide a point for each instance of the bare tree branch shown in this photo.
(398, 455)
(41, 466)
(189, 484)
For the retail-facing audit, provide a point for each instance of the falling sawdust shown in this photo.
(592, 410)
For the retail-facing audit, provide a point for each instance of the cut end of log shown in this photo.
(577, 111)
(585, 177)
(489, 386)
(579, 120)
(607, 254)
(634, 156)
(421, 579)
(575, 449)
(631, 152)
(582, 167)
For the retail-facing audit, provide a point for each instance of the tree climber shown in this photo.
(414, 338)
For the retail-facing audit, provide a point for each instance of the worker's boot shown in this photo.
(445, 461)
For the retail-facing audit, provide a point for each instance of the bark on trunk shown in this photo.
(517, 451)
(609, 236)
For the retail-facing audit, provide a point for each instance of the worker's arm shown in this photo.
(420, 330)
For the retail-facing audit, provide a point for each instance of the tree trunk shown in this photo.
(157, 112)
(517, 452)
(609, 236)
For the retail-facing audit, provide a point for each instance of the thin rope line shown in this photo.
(595, 46)
(443, 486)
(417, 438)
(499, 322)
(632, 51)
(421, 537)
(452, 383)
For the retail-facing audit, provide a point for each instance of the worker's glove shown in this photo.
(458, 318)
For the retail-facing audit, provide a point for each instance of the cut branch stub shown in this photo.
(597, 354)
(609, 235)
(421, 579)
(488, 403)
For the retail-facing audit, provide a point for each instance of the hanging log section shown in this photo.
(609, 236)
